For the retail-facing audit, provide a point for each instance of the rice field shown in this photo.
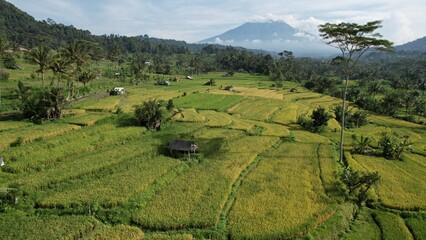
(364, 227)
(256, 174)
(18, 136)
(401, 185)
(39, 155)
(10, 125)
(251, 92)
(256, 108)
(392, 226)
(204, 101)
(88, 119)
(195, 199)
(217, 119)
(127, 181)
(14, 227)
(285, 180)
(188, 115)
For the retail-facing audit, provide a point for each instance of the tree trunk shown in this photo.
(42, 79)
(342, 123)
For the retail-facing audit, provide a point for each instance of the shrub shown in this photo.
(44, 104)
(352, 119)
(4, 75)
(149, 114)
(316, 122)
(393, 146)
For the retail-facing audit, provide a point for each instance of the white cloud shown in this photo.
(193, 20)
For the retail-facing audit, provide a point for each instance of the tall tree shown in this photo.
(41, 56)
(353, 40)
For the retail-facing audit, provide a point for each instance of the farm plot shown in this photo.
(135, 96)
(116, 188)
(251, 92)
(9, 125)
(106, 104)
(256, 108)
(195, 199)
(402, 183)
(418, 227)
(204, 101)
(189, 115)
(25, 135)
(299, 96)
(217, 119)
(285, 179)
(87, 119)
(393, 122)
(39, 154)
(90, 163)
(45, 227)
(117, 232)
(364, 227)
(289, 113)
(392, 226)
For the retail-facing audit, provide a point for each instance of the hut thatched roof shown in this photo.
(182, 145)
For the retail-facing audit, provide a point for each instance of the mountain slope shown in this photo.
(416, 45)
(272, 36)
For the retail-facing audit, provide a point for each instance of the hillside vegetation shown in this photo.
(257, 174)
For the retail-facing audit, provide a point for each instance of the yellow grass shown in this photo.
(217, 119)
(253, 92)
(308, 137)
(195, 199)
(256, 108)
(9, 125)
(88, 119)
(34, 132)
(287, 179)
(189, 115)
(401, 185)
(107, 104)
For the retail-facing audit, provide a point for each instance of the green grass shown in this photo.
(363, 228)
(117, 232)
(115, 188)
(88, 119)
(39, 155)
(25, 135)
(418, 227)
(45, 227)
(392, 226)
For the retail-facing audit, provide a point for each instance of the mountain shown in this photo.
(416, 45)
(273, 36)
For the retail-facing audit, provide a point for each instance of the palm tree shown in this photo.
(60, 66)
(41, 56)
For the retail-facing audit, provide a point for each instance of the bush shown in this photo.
(393, 146)
(4, 75)
(352, 119)
(44, 104)
(149, 114)
(316, 122)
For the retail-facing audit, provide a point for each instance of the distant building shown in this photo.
(119, 90)
(181, 147)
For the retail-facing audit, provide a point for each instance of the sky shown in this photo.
(195, 20)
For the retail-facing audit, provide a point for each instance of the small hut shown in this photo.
(1, 162)
(181, 147)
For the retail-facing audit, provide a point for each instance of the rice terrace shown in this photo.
(140, 138)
